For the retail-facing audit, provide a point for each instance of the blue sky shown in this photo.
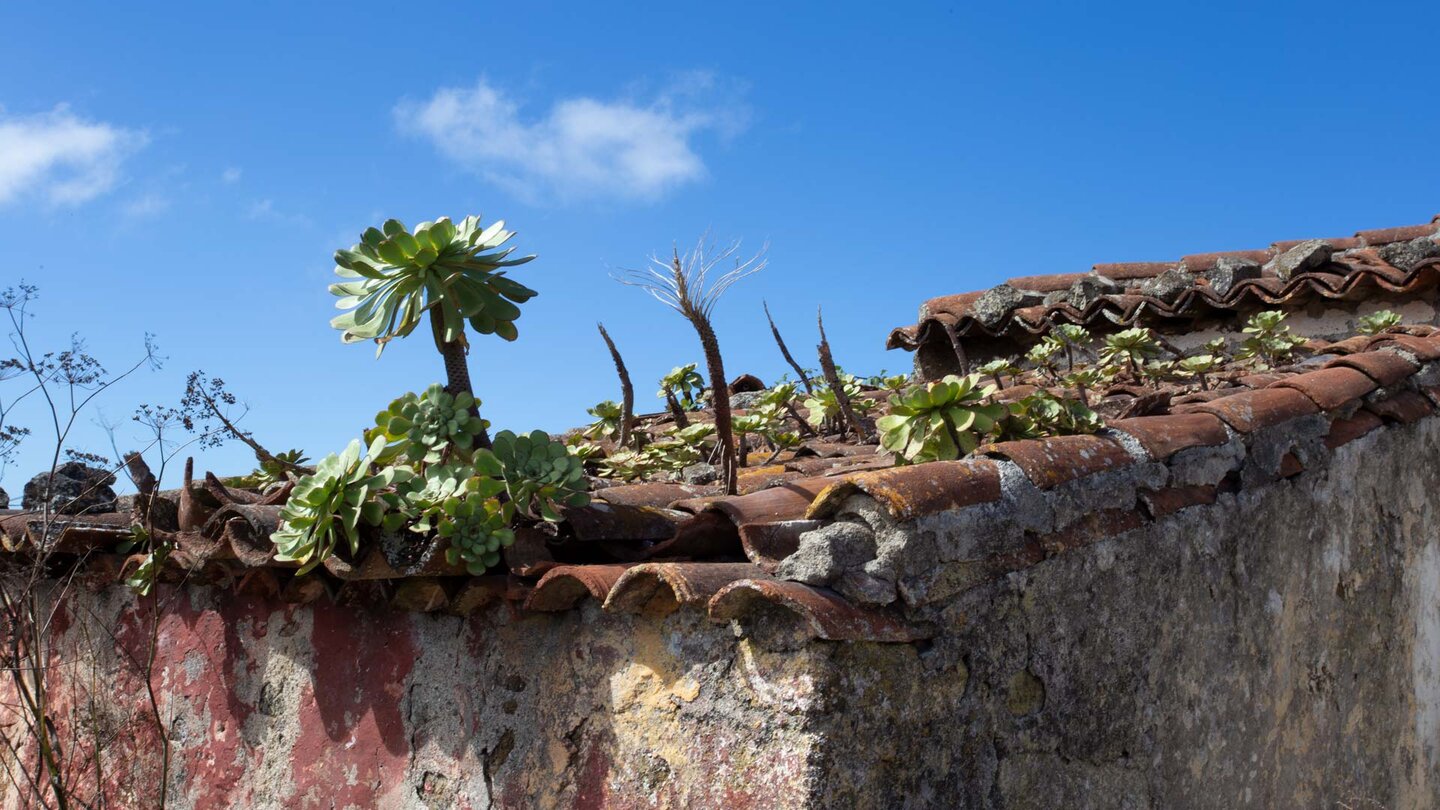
(188, 169)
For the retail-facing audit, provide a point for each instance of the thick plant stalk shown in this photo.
(720, 398)
(832, 377)
(676, 412)
(627, 391)
(457, 371)
(779, 341)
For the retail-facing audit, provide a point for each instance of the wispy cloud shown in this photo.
(231, 175)
(265, 210)
(583, 147)
(60, 157)
(146, 205)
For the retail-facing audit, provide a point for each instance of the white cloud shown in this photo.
(231, 175)
(146, 205)
(61, 157)
(582, 147)
(265, 211)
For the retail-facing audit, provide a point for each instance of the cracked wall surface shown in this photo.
(1280, 648)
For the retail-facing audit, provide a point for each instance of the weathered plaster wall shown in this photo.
(1280, 648)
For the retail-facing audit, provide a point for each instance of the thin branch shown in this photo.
(779, 341)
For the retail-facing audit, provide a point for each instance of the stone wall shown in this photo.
(1280, 648)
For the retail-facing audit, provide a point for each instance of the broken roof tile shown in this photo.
(1159, 503)
(1330, 388)
(1344, 431)
(1058, 459)
(1249, 411)
(1425, 349)
(821, 613)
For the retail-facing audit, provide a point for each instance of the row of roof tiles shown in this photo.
(660, 547)
(1348, 268)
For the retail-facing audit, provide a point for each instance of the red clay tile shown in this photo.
(1351, 345)
(1262, 380)
(1330, 388)
(949, 304)
(1164, 436)
(562, 588)
(1338, 243)
(822, 613)
(788, 501)
(766, 544)
(654, 494)
(1344, 431)
(660, 588)
(1124, 271)
(1385, 368)
(1058, 459)
(1249, 411)
(1200, 262)
(916, 490)
(1170, 500)
(1426, 349)
(1045, 284)
(1384, 236)
(1290, 466)
(1091, 528)
(1405, 407)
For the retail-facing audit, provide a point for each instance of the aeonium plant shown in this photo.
(394, 277)
(939, 421)
(328, 505)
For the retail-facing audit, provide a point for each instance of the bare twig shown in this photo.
(780, 341)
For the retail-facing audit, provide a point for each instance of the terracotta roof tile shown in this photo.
(1045, 284)
(1164, 436)
(1338, 243)
(1405, 407)
(1125, 271)
(1160, 503)
(788, 501)
(1249, 411)
(822, 613)
(920, 489)
(1330, 388)
(766, 544)
(1354, 272)
(1385, 368)
(1384, 236)
(1056, 460)
(1200, 262)
(1426, 349)
(562, 588)
(660, 588)
(1344, 431)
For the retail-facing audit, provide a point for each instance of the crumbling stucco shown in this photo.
(1280, 648)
